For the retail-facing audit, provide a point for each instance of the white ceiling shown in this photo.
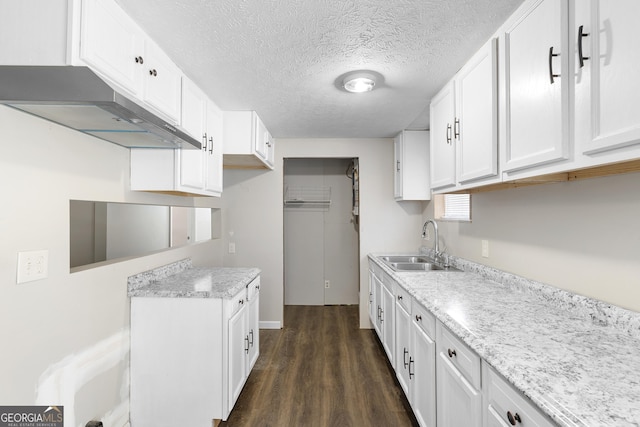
(283, 58)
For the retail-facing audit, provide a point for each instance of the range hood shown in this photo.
(78, 98)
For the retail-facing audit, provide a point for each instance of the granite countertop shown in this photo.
(578, 359)
(182, 280)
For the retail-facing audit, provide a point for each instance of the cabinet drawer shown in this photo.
(424, 319)
(403, 298)
(236, 302)
(389, 283)
(460, 355)
(253, 288)
(507, 404)
(376, 269)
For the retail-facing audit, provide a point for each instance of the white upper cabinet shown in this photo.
(161, 82)
(114, 45)
(443, 150)
(476, 122)
(411, 155)
(213, 150)
(247, 142)
(607, 88)
(535, 86)
(464, 125)
(185, 171)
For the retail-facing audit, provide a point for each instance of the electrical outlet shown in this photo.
(327, 284)
(32, 265)
(232, 248)
(485, 249)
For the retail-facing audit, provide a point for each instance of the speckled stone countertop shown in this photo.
(182, 280)
(576, 358)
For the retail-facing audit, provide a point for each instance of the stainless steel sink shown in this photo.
(405, 258)
(414, 263)
(414, 266)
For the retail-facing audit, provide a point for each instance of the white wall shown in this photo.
(580, 236)
(65, 338)
(253, 200)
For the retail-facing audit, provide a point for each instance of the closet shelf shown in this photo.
(310, 196)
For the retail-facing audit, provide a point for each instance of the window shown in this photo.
(453, 207)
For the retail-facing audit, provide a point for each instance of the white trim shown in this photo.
(270, 324)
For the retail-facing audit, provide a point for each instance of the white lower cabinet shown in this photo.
(190, 357)
(446, 383)
(416, 357)
(423, 381)
(458, 382)
(506, 406)
(388, 316)
(382, 309)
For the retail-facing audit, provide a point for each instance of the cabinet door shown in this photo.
(253, 330)
(261, 138)
(162, 82)
(213, 150)
(404, 354)
(378, 300)
(443, 150)
(536, 87)
(388, 328)
(373, 309)
(238, 350)
(459, 403)
(476, 124)
(271, 148)
(192, 163)
(423, 397)
(607, 85)
(397, 157)
(112, 44)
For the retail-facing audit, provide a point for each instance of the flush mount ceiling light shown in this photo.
(359, 82)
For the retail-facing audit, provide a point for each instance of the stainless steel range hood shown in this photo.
(77, 98)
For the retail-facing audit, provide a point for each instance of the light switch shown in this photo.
(232, 248)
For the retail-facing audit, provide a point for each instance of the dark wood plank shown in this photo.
(321, 370)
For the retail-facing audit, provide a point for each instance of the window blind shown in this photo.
(457, 207)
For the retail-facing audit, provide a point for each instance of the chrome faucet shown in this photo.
(436, 247)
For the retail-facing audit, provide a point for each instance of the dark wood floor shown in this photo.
(320, 370)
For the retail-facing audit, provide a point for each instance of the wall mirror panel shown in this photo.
(104, 231)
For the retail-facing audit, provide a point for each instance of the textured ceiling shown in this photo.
(284, 58)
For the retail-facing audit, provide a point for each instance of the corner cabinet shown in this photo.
(190, 357)
(411, 155)
(248, 144)
(536, 81)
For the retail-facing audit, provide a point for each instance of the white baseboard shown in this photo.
(270, 325)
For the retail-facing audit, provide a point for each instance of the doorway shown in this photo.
(321, 231)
